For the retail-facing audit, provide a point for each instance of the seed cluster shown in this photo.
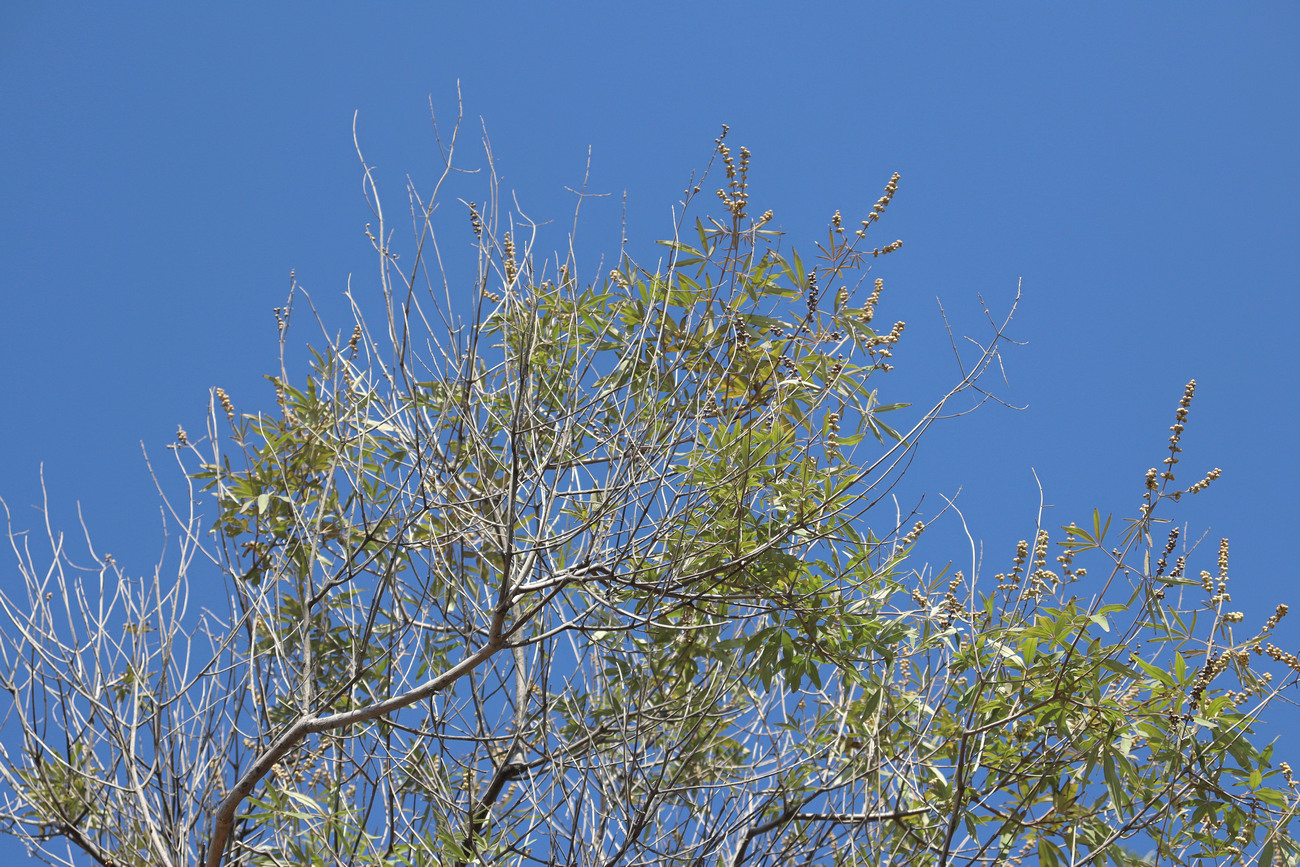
(1011, 580)
(1180, 419)
(742, 336)
(1259, 687)
(736, 195)
(832, 431)
(1277, 654)
(1219, 586)
(1156, 480)
(1066, 562)
(475, 221)
(887, 249)
(1273, 621)
(1207, 674)
(1287, 774)
(1042, 577)
(869, 308)
(1204, 483)
(951, 604)
(879, 207)
(882, 344)
(224, 400)
(512, 268)
(1163, 562)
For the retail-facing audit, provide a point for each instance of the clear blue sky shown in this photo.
(166, 165)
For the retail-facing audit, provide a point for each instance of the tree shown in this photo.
(599, 576)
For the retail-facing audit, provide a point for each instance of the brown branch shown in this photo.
(309, 725)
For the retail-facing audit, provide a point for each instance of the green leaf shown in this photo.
(1113, 784)
(1049, 855)
(887, 429)
(1098, 531)
(1159, 674)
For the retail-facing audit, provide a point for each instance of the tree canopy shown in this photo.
(598, 570)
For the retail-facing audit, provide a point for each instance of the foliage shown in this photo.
(598, 577)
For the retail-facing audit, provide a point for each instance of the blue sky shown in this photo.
(1135, 165)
